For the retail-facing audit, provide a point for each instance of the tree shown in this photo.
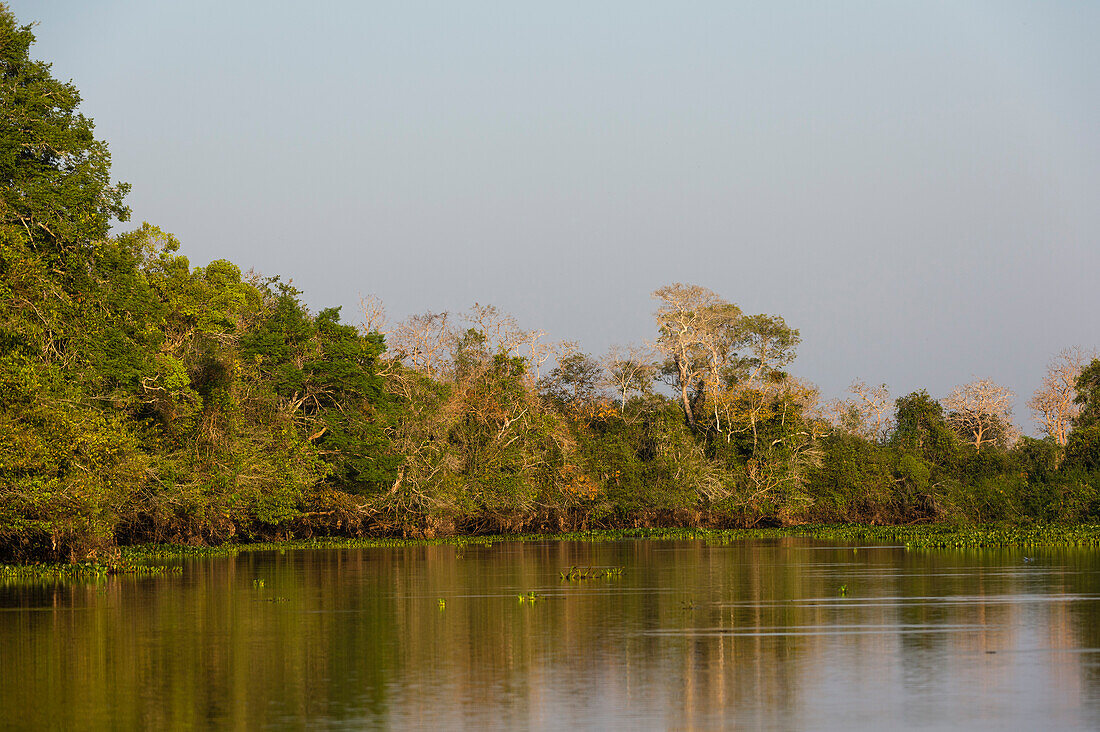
(540, 351)
(67, 463)
(1083, 445)
(1054, 404)
(424, 341)
(770, 343)
(981, 413)
(1088, 395)
(501, 330)
(922, 427)
(55, 191)
(756, 380)
(784, 440)
(727, 367)
(374, 315)
(574, 382)
(630, 371)
(325, 376)
(868, 413)
(56, 200)
(695, 327)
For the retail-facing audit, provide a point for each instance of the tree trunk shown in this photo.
(685, 402)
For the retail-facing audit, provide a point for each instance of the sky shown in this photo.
(912, 185)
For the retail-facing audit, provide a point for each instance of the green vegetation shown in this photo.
(144, 400)
(574, 574)
(155, 560)
(81, 571)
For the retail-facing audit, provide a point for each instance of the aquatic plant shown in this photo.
(84, 571)
(590, 573)
(162, 559)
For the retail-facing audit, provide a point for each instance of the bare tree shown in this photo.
(1053, 403)
(981, 412)
(868, 412)
(693, 324)
(374, 315)
(501, 330)
(424, 341)
(700, 335)
(630, 370)
(538, 352)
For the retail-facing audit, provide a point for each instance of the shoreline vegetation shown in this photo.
(153, 560)
(161, 559)
(144, 400)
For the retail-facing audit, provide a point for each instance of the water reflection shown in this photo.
(787, 633)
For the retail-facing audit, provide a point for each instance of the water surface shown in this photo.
(788, 633)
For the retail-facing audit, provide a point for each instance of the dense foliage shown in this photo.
(143, 399)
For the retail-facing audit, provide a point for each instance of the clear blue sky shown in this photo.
(916, 186)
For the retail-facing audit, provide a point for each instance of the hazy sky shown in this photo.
(913, 185)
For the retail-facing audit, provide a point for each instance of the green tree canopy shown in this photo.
(56, 193)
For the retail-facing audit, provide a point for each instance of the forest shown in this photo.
(143, 399)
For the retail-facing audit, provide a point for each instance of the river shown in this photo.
(684, 634)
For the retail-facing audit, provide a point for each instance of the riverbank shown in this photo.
(158, 559)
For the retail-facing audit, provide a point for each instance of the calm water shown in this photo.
(692, 635)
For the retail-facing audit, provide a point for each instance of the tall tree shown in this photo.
(981, 413)
(694, 333)
(1088, 395)
(1083, 445)
(629, 371)
(1054, 402)
(575, 382)
(66, 464)
(56, 194)
(921, 426)
(424, 341)
(769, 344)
(867, 413)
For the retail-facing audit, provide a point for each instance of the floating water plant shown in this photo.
(930, 536)
(590, 573)
(84, 571)
(161, 559)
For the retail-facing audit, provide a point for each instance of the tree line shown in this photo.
(144, 399)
